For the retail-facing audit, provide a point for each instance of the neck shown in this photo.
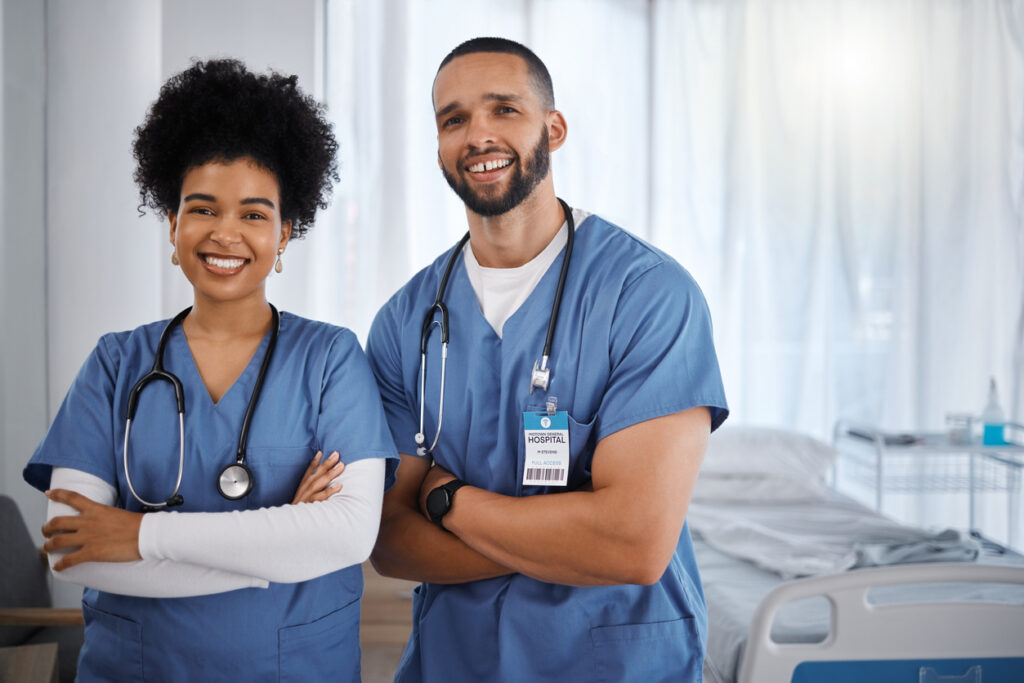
(228, 319)
(515, 238)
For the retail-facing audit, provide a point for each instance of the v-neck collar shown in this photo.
(247, 378)
(463, 280)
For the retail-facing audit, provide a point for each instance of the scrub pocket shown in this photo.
(323, 650)
(276, 474)
(661, 651)
(112, 649)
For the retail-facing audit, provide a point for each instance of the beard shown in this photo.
(527, 175)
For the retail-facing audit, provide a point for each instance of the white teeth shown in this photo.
(489, 165)
(225, 263)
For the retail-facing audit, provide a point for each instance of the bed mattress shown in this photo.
(734, 587)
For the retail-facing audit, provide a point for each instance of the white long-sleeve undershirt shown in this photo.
(199, 553)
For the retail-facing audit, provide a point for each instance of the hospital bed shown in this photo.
(859, 616)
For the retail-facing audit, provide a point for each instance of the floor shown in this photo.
(386, 623)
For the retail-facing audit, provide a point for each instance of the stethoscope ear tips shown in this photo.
(175, 501)
(420, 438)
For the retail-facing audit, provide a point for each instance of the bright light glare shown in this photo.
(857, 67)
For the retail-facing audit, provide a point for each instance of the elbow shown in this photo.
(649, 575)
(646, 571)
(378, 563)
(362, 548)
(362, 552)
(383, 556)
(384, 564)
(646, 561)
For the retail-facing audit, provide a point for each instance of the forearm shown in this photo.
(411, 547)
(562, 538)
(624, 530)
(286, 544)
(146, 578)
(155, 579)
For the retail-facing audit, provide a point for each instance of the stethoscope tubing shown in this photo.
(429, 321)
(159, 373)
(560, 289)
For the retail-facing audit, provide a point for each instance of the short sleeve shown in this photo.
(382, 348)
(352, 419)
(82, 434)
(662, 352)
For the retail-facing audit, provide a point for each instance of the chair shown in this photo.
(26, 613)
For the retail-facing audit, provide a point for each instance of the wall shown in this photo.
(23, 388)
(78, 259)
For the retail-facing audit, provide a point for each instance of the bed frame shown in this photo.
(969, 642)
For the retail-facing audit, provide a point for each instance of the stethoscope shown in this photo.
(541, 374)
(236, 479)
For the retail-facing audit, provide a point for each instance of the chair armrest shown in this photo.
(41, 616)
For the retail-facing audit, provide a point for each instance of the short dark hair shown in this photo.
(219, 111)
(539, 76)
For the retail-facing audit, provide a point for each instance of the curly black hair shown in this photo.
(219, 110)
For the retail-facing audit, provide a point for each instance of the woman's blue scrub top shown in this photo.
(319, 394)
(633, 342)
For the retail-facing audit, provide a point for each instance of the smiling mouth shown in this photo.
(222, 262)
(484, 166)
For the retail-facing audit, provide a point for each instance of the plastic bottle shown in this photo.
(992, 418)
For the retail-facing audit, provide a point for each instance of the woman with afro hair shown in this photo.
(248, 567)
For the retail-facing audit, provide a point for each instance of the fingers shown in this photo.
(60, 542)
(59, 525)
(316, 482)
(313, 464)
(70, 498)
(70, 560)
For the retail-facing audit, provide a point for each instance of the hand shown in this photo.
(316, 481)
(99, 533)
(435, 476)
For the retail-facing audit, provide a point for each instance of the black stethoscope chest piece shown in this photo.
(235, 480)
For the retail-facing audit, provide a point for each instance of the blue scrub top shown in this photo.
(633, 342)
(318, 394)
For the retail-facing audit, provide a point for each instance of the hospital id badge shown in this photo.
(547, 448)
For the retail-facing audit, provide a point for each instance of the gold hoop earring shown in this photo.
(174, 259)
(278, 267)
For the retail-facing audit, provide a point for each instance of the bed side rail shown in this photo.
(860, 630)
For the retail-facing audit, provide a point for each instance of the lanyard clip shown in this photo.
(552, 405)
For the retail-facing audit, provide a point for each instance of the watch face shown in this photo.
(438, 503)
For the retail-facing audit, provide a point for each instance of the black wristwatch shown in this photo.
(439, 501)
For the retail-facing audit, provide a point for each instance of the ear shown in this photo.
(557, 130)
(172, 218)
(286, 234)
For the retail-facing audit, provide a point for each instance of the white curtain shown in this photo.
(842, 177)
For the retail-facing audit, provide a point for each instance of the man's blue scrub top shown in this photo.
(633, 342)
(319, 394)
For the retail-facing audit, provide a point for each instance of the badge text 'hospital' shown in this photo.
(546, 461)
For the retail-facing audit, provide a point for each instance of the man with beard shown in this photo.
(547, 468)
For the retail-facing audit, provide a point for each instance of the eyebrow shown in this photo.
(258, 200)
(488, 97)
(199, 196)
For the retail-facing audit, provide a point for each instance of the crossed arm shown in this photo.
(92, 543)
(624, 530)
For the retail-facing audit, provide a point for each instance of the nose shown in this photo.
(479, 133)
(227, 232)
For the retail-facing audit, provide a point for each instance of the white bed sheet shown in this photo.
(804, 538)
